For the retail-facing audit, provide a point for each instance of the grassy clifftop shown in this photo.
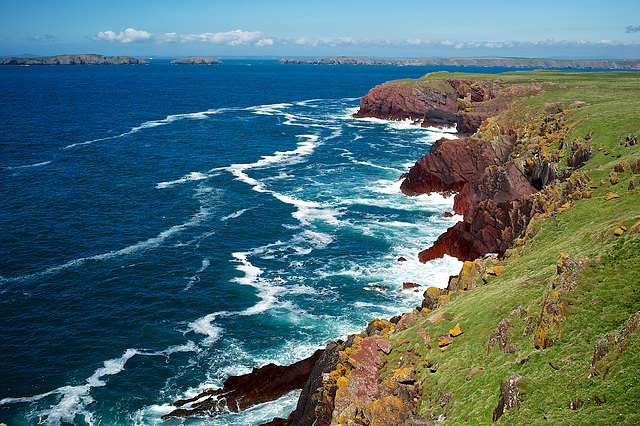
(547, 334)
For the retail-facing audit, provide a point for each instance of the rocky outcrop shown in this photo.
(240, 392)
(510, 396)
(495, 171)
(437, 102)
(197, 60)
(75, 60)
(500, 337)
(311, 396)
(553, 311)
(610, 347)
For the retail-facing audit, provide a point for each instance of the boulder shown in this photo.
(445, 340)
(510, 396)
(455, 331)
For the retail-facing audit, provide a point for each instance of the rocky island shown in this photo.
(89, 59)
(533, 63)
(541, 324)
(197, 60)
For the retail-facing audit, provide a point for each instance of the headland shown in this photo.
(540, 325)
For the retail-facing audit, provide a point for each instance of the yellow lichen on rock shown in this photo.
(496, 270)
(456, 331)
(611, 196)
(388, 411)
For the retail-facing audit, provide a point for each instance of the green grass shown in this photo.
(608, 292)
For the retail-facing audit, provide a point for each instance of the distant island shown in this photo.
(89, 59)
(613, 64)
(197, 60)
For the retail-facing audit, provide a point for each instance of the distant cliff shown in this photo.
(612, 64)
(197, 60)
(90, 59)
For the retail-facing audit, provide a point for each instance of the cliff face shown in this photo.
(75, 60)
(442, 103)
(490, 188)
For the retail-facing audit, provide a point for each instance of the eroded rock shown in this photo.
(510, 396)
(240, 392)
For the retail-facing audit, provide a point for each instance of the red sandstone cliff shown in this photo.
(490, 189)
(439, 103)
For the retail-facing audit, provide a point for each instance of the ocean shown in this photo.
(165, 227)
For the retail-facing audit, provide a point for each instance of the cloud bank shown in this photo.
(230, 38)
(240, 38)
(127, 36)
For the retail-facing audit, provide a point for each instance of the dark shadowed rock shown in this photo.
(240, 392)
(310, 397)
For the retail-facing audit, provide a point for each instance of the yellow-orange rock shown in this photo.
(388, 411)
(635, 228)
(611, 196)
(456, 331)
(618, 231)
(496, 270)
(445, 340)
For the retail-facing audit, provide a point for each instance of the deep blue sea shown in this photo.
(164, 227)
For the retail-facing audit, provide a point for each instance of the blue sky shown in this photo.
(279, 28)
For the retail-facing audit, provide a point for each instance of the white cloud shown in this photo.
(127, 36)
(230, 38)
(259, 39)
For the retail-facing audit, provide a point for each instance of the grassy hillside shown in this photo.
(561, 314)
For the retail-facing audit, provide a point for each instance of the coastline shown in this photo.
(507, 181)
(524, 63)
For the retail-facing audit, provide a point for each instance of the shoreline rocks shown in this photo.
(240, 392)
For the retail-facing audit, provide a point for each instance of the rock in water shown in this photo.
(240, 392)
(197, 60)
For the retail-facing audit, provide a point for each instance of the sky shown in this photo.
(298, 28)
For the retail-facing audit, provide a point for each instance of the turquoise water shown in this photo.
(164, 227)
